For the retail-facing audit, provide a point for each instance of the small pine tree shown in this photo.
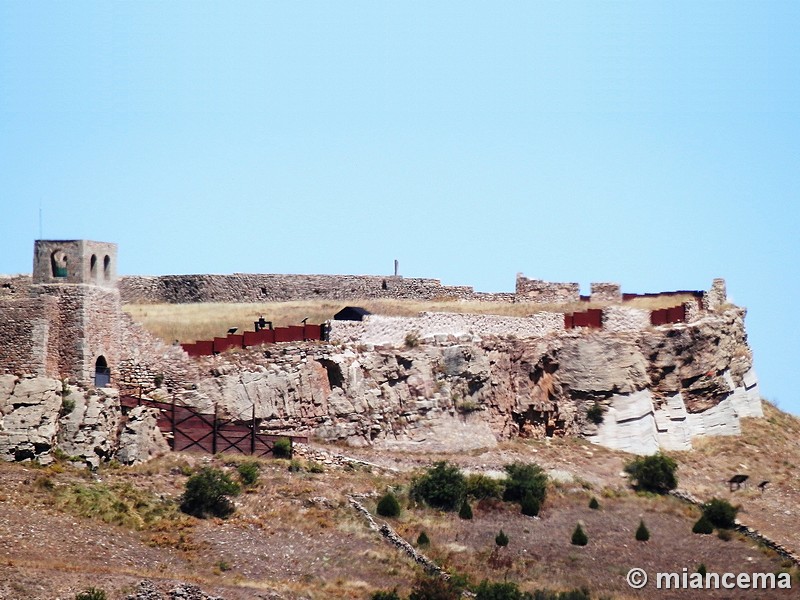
(594, 504)
(466, 510)
(91, 594)
(529, 505)
(501, 539)
(388, 506)
(248, 472)
(642, 534)
(579, 537)
(720, 513)
(703, 526)
(422, 539)
(701, 568)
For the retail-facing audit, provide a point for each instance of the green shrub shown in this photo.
(703, 526)
(434, 588)
(501, 539)
(465, 512)
(282, 448)
(642, 534)
(206, 494)
(315, 467)
(480, 486)
(91, 594)
(725, 535)
(295, 466)
(594, 504)
(523, 479)
(720, 513)
(529, 505)
(655, 473)
(385, 595)
(388, 506)
(579, 537)
(582, 594)
(595, 413)
(67, 406)
(422, 539)
(500, 591)
(701, 568)
(412, 339)
(442, 486)
(248, 472)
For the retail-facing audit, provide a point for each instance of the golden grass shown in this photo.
(192, 322)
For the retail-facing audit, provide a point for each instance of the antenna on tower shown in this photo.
(41, 236)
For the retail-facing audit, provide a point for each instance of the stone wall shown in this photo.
(241, 287)
(606, 292)
(546, 292)
(83, 327)
(379, 329)
(25, 331)
(624, 318)
(717, 296)
(14, 286)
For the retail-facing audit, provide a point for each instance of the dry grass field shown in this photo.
(294, 536)
(192, 322)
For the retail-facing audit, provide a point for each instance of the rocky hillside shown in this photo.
(635, 391)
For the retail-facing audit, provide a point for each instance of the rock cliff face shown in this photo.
(656, 388)
(38, 415)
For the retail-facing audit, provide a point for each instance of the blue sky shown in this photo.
(654, 144)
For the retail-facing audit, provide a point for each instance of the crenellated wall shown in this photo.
(546, 292)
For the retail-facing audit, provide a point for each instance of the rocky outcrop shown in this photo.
(89, 429)
(658, 387)
(39, 415)
(29, 409)
(141, 439)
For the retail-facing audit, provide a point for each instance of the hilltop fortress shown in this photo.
(625, 376)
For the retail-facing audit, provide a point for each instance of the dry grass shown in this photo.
(192, 322)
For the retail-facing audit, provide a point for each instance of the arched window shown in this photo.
(102, 373)
(93, 266)
(107, 267)
(58, 261)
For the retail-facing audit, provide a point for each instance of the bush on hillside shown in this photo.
(465, 512)
(523, 479)
(642, 534)
(579, 537)
(594, 504)
(388, 506)
(655, 473)
(207, 494)
(422, 539)
(443, 486)
(282, 448)
(481, 486)
(501, 539)
(720, 513)
(500, 591)
(434, 588)
(248, 472)
(703, 526)
(529, 505)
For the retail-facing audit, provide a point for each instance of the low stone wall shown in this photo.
(546, 292)
(241, 287)
(378, 329)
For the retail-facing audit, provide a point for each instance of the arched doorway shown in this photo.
(102, 372)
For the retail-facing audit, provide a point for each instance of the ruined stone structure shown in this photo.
(68, 325)
(439, 381)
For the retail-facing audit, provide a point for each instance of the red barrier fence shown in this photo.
(593, 318)
(188, 430)
(292, 333)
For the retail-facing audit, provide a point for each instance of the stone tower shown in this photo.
(77, 280)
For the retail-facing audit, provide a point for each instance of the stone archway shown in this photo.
(102, 372)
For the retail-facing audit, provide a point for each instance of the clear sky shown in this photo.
(655, 144)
